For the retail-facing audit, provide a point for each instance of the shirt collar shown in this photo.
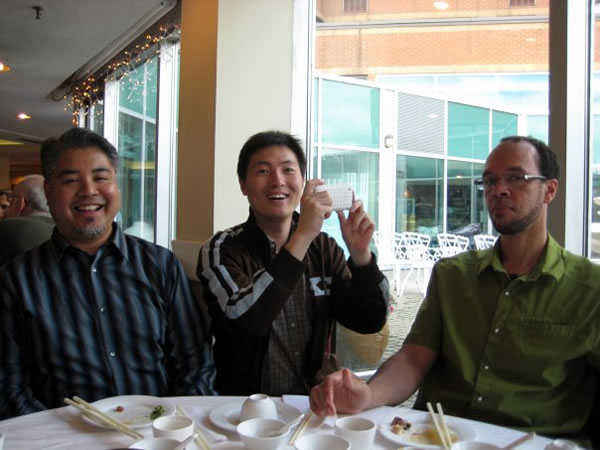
(116, 241)
(551, 263)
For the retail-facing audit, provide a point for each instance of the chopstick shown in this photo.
(438, 427)
(97, 415)
(444, 424)
(300, 428)
(199, 439)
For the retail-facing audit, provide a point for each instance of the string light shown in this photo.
(86, 93)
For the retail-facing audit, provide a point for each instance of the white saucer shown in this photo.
(135, 412)
(227, 416)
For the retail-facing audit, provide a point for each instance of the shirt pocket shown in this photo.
(544, 340)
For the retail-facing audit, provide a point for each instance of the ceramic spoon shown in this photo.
(284, 429)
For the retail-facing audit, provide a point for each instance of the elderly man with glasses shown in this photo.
(509, 335)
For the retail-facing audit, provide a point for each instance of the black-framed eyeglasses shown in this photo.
(510, 179)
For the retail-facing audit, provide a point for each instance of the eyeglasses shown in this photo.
(515, 180)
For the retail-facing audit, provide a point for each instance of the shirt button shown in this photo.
(94, 269)
(293, 324)
(497, 330)
(112, 354)
(506, 293)
(296, 353)
(479, 399)
(486, 367)
(102, 309)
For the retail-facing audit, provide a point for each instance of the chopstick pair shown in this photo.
(440, 426)
(199, 436)
(300, 428)
(95, 414)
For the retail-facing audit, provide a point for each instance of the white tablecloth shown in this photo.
(62, 428)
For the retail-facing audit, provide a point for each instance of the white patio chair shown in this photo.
(483, 241)
(451, 244)
(411, 253)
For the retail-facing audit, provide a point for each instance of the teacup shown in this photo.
(258, 405)
(322, 441)
(359, 431)
(173, 427)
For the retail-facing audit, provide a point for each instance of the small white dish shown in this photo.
(258, 405)
(257, 433)
(131, 410)
(173, 427)
(321, 441)
(412, 438)
(155, 444)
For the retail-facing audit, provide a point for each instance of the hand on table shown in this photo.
(340, 392)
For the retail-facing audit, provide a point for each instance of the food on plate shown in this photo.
(156, 412)
(119, 408)
(399, 425)
(419, 433)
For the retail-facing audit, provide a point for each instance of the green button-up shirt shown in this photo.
(521, 352)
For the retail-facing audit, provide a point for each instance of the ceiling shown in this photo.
(70, 36)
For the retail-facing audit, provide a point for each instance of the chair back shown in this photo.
(451, 244)
(411, 247)
(483, 241)
(384, 243)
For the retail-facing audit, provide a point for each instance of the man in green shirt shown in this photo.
(508, 335)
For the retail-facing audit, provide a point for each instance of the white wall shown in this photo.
(255, 67)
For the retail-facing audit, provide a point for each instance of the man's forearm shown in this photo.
(400, 376)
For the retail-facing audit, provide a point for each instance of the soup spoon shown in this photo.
(284, 429)
(517, 442)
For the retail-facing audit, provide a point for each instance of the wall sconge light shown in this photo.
(388, 141)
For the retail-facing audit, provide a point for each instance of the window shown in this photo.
(354, 6)
(428, 114)
(522, 3)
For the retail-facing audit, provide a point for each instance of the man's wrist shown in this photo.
(361, 259)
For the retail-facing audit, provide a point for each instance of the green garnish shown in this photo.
(156, 412)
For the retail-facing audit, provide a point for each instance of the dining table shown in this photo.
(64, 428)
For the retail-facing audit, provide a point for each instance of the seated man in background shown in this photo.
(93, 312)
(275, 284)
(4, 202)
(508, 335)
(28, 223)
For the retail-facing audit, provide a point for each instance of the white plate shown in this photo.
(136, 409)
(463, 430)
(227, 416)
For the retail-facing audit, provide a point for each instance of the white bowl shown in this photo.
(173, 427)
(155, 444)
(322, 441)
(256, 433)
(258, 405)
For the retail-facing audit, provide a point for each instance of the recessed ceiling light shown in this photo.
(23, 116)
(530, 39)
(440, 5)
(4, 67)
(432, 116)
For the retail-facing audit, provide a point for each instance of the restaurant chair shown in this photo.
(483, 241)
(412, 253)
(452, 244)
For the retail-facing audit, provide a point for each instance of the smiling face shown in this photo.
(83, 197)
(273, 184)
(514, 209)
